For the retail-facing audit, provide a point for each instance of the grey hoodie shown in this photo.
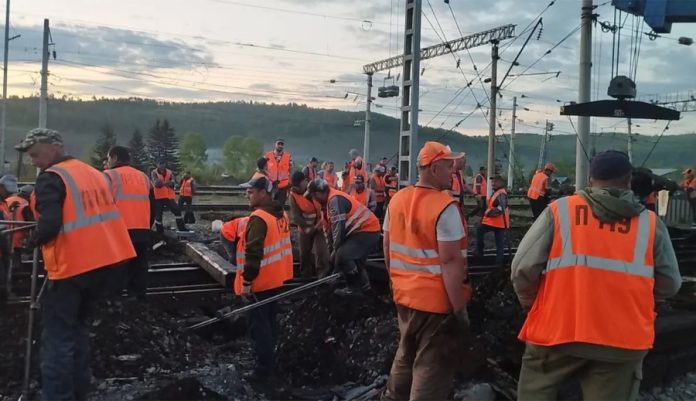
(609, 205)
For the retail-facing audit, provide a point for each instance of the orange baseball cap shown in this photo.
(433, 151)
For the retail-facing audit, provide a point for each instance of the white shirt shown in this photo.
(449, 225)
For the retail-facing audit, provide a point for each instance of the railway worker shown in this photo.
(496, 218)
(459, 187)
(264, 266)
(25, 191)
(310, 170)
(306, 215)
(379, 188)
(328, 174)
(231, 234)
(81, 234)
(163, 180)
(353, 234)
(135, 199)
(18, 210)
(383, 163)
(279, 170)
(357, 169)
(589, 272)
(261, 168)
(345, 180)
(187, 187)
(391, 181)
(8, 188)
(362, 194)
(689, 182)
(427, 271)
(480, 191)
(538, 192)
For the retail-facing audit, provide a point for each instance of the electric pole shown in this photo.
(368, 119)
(491, 118)
(3, 114)
(542, 148)
(630, 141)
(511, 156)
(584, 93)
(43, 98)
(410, 83)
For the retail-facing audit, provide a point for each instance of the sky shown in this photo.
(312, 52)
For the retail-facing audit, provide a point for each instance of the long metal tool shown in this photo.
(12, 230)
(274, 298)
(30, 325)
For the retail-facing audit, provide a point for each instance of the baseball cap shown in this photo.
(688, 171)
(434, 151)
(280, 140)
(9, 182)
(39, 135)
(25, 190)
(314, 159)
(609, 165)
(550, 166)
(258, 183)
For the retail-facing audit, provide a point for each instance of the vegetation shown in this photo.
(107, 139)
(139, 156)
(163, 145)
(241, 154)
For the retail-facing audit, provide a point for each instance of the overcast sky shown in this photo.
(291, 50)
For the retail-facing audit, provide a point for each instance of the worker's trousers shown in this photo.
(314, 254)
(263, 330)
(66, 306)
(430, 349)
(185, 203)
(351, 258)
(160, 205)
(544, 369)
(499, 241)
(538, 205)
(135, 270)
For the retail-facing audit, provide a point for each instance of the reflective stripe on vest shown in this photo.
(119, 195)
(307, 207)
(500, 221)
(132, 197)
(358, 217)
(637, 267)
(81, 219)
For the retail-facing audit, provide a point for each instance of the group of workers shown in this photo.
(92, 226)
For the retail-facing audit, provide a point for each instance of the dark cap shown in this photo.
(259, 183)
(280, 140)
(40, 135)
(297, 178)
(316, 185)
(25, 190)
(609, 165)
(314, 159)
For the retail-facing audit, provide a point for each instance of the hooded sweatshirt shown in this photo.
(609, 205)
(255, 235)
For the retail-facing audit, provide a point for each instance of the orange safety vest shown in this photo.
(501, 220)
(380, 188)
(597, 287)
(309, 209)
(164, 192)
(276, 265)
(359, 219)
(391, 182)
(186, 188)
(233, 230)
(93, 234)
(130, 189)
(362, 197)
(331, 178)
(16, 214)
(689, 184)
(311, 173)
(354, 173)
(279, 171)
(537, 188)
(456, 192)
(414, 263)
(481, 185)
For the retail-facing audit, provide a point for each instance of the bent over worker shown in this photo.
(163, 181)
(423, 241)
(354, 233)
(538, 192)
(81, 233)
(306, 215)
(135, 200)
(589, 271)
(263, 267)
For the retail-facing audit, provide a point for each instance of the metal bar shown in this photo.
(255, 305)
(30, 325)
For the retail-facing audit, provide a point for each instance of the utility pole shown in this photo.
(584, 92)
(491, 117)
(410, 82)
(3, 114)
(630, 141)
(43, 98)
(368, 119)
(542, 148)
(511, 156)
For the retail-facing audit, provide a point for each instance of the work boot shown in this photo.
(365, 285)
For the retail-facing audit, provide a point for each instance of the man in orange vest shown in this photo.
(187, 187)
(353, 234)
(306, 215)
(163, 180)
(81, 234)
(480, 191)
(689, 181)
(423, 241)
(363, 194)
(357, 169)
(391, 181)
(11, 244)
(279, 170)
(263, 267)
(496, 218)
(310, 170)
(589, 271)
(538, 192)
(135, 199)
(328, 174)
(379, 188)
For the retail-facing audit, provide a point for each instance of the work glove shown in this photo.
(246, 294)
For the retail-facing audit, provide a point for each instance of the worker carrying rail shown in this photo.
(306, 215)
(81, 234)
(538, 192)
(263, 266)
(353, 233)
(589, 271)
(423, 241)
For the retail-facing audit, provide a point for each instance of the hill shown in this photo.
(327, 134)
